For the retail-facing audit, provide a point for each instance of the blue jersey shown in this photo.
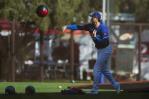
(101, 39)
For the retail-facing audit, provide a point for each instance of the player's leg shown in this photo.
(114, 83)
(106, 53)
(81, 68)
(97, 75)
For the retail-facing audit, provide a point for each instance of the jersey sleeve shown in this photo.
(79, 27)
(84, 27)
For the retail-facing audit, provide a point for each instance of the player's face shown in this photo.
(94, 20)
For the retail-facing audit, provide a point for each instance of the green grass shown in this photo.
(39, 86)
(45, 87)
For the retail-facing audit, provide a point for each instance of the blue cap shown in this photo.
(96, 14)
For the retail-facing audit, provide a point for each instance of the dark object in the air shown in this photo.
(42, 10)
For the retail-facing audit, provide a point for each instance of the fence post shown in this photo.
(139, 52)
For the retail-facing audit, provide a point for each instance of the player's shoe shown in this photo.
(93, 92)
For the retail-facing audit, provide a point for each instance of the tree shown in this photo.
(137, 7)
(61, 12)
(141, 10)
(67, 11)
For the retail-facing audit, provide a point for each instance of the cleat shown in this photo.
(93, 92)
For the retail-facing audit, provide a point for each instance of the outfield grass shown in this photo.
(42, 87)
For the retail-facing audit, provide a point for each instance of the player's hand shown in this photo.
(94, 33)
(72, 27)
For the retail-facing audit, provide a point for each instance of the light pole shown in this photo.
(106, 11)
(103, 10)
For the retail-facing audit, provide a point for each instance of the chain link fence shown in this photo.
(20, 57)
(130, 55)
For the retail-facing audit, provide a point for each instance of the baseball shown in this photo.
(59, 87)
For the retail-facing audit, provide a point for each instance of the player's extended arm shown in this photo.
(77, 27)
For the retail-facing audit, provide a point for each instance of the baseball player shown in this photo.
(100, 36)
